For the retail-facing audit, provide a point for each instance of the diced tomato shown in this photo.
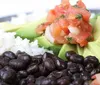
(83, 43)
(71, 16)
(40, 29)
(74, 22)
(64, 25)
(86, 27)
(59, 10)
(55, 29)
(60, 40)
(82, 38)
(66, 2)
(86, 14)
(51, 16)
(74, 10)
(81, 4)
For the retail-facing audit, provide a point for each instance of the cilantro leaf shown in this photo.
(79, 16)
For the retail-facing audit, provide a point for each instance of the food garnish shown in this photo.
(66, 20)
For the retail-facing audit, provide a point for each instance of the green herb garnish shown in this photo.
(76, 6)
(79, 16)
(69, 39)
(62, 16)
(90, 38)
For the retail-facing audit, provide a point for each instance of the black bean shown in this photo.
(56, 74)
(9, 54)
(30, 84)
(94, 71)
(1, 57)
(91, 59)
(69, 53)
(30, 79)
(71, 84)
(69, 73)
(48, 81)
(22, 74)
(37, 60)
(7, 68)
(76, 76)
(69, 63)
(23, 82)
(47, 55)
(3, 83)
(64, 72)
(37, 74)
(18, 80)
(8, 76)
(98, 68)
(64, 80)
(17, 64)
(0, 67)
(76, 58)
(89, 67)
(78, 82)
(60, 64)
(4, 62)
(43, 70)
(2, 71)
(19, 53)
(25, 58)
(32, 69)
(49, 64)
(72, 67)
(39, 80)
(86, 83)
(85, 76)
(80, 67)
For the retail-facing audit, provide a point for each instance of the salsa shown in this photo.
(68, 24)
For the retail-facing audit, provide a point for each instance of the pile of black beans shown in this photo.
(46, 69)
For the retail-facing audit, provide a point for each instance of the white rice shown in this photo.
(8, 42)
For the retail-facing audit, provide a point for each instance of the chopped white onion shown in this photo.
(73, 30)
